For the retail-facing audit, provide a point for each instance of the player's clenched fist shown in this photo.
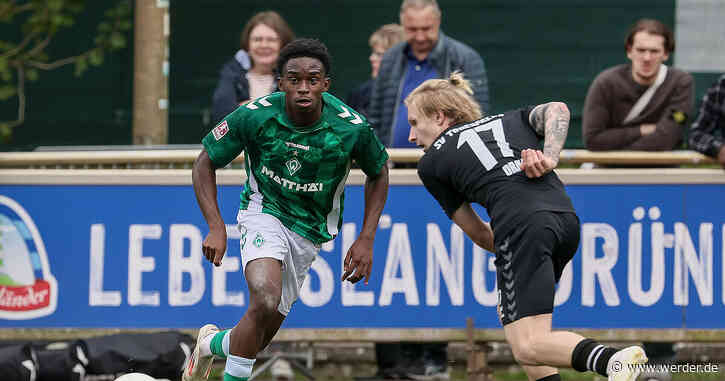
(214, 246)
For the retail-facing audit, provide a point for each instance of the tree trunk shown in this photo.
(150, 78)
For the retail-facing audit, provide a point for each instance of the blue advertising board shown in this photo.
(129, 256)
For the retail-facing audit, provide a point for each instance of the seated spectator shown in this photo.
(380, 41)
(706, 133)
(641, 105)
(250, 73)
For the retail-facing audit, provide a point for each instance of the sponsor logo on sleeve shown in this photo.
(220, 130)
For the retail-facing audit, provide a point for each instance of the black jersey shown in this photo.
(481, 162)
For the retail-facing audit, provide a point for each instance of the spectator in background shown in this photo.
(641, 105)
(427, 54)
(706, 133)
(250, 73)
(381, 40)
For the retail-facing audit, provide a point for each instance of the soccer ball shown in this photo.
(135, 377)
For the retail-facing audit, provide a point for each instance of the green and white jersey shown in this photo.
(297, 174)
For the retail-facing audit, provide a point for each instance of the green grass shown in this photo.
(330, 372)
(517, 374)
(572, 375)
(698, 377)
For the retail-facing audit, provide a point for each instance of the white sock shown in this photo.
(225, 342)
(239, 366)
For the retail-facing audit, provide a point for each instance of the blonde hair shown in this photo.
(452, 96)
(387, 36)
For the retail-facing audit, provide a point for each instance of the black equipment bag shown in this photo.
(62, 362)
(18, 363)
(160, 355)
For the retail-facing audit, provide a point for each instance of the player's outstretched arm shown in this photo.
(359, 259)
(478, 231)
(203, 177)
(550, 120)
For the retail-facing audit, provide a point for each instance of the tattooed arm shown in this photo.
(550, 120)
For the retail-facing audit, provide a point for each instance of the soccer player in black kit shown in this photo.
(499, 162)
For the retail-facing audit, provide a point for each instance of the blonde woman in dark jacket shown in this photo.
(250, 73)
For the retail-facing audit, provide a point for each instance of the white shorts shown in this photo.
(264, 236)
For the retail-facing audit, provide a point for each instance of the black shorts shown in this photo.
(529, 262)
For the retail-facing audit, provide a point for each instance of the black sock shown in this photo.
(553, 377)
(590, 355)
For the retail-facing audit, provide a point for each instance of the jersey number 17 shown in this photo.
(484, 155)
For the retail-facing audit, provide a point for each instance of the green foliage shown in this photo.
(38, 22)
(31, 74)
(5, 73)
(81, 66)
(6, 92)
(117, 40)
(5, 131)
(95, 57)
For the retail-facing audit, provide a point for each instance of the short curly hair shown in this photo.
(304, 47)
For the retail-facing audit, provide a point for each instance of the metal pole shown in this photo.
(151, 67)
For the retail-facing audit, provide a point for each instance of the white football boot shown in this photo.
(198, 368)
(623, 365)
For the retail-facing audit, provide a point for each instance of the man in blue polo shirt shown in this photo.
(417, 71)
(426, 54)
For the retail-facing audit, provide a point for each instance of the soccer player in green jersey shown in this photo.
(298, 145)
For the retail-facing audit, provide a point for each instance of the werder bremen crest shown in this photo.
(293, 165)
(258, 240)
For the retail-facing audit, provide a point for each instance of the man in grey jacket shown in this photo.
(427, 54)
